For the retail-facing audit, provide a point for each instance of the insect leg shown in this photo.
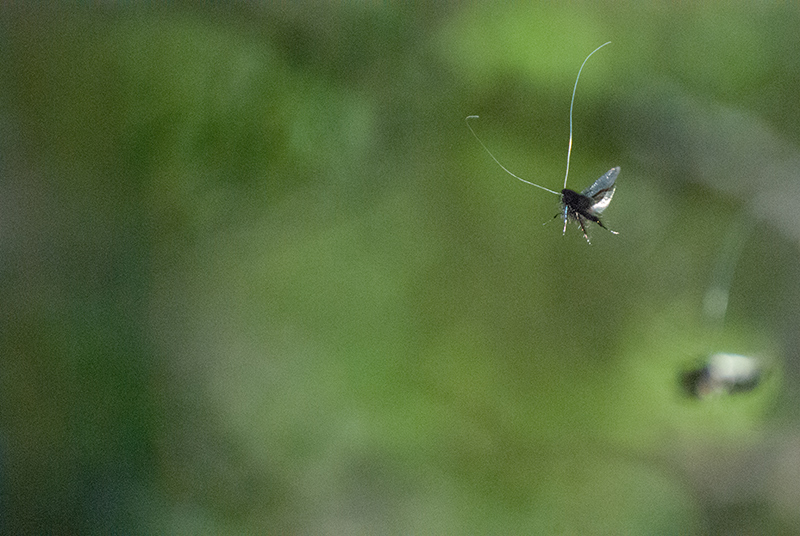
(583, 228)
(604, 227)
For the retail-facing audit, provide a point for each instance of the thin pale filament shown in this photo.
(498, 162)
(572, 102)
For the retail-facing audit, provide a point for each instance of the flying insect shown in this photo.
(580, 207)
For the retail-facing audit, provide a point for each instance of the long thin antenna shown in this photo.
(498, 162)
(572, 102)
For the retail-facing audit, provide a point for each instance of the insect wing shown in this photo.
(602, 190)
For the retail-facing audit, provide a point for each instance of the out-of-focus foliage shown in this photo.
(257, 276)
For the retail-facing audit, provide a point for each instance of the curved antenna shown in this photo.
(498, 162)
(572, 102)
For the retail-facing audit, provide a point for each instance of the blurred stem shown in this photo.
(715, 301)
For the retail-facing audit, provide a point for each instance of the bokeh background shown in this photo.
(257, 276)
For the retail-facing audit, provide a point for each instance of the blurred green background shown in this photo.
(257, 276)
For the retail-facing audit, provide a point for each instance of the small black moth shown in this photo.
(590, 203)
(579, 207)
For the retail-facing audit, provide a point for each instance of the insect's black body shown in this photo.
(590, 203)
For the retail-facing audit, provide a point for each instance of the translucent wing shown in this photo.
(602, 190)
